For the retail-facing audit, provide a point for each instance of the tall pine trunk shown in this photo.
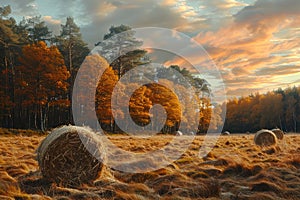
(42, 119)
(70, 82)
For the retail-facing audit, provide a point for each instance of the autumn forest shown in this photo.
(38, 70)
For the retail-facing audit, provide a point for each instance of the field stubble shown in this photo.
(235, 169)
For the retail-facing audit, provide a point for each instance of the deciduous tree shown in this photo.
(41, 81)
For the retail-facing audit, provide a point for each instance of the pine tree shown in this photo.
(121, 49)
(74, 51)
(35, 30)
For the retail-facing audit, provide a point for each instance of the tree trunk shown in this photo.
(42, 118)
(35, 117)
(29, 119)
(12, 90)
(295, 122)
(6, 85)
(71, 81)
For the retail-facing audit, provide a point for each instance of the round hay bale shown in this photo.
(63, 158)
(279, 133)
(226, 133)
(265, 138)
(179, 133)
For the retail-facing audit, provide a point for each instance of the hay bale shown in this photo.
(63, 158)
(226, 133)
(265, 138)
(178, 133)
(279, 133)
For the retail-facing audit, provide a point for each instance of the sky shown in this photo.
(255, 44)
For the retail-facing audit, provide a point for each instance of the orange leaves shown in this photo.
(139, 106)
(165, 97)
(185, 110)
(140, 102)
(61, 85)
(42, 76)
(104, 91)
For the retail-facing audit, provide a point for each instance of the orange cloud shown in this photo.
(255, 48)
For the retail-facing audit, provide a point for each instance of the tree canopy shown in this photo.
(41, 81)
(279, 108)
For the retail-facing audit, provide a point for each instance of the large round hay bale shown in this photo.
(279, 133)
(63, 158)
(265, 138)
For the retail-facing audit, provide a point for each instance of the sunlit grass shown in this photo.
(235, 168)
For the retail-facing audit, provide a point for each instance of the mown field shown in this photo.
(235, 169)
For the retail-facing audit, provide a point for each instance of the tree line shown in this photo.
(275, 109)
(38, 70)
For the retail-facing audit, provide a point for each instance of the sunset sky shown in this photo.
(254, 44)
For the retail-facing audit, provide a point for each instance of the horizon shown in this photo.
(254, 44)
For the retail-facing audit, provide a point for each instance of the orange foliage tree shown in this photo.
(41, 81)
(169, 101)
(179, 114)
(279, 108)
(103, 97)
(139, 106)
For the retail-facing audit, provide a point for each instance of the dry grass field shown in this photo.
(235, 169)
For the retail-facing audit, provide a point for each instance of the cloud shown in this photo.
(66, 8)
(186, 10)
(266, 10)
(54, 25)
(22, 8)
(278, 70)
(169, 2)
(256, 44)
(238, 71)
(224, 4)
(245, 85)
(136, 14)
(242, 91)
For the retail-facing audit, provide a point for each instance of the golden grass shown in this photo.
(235, 169)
